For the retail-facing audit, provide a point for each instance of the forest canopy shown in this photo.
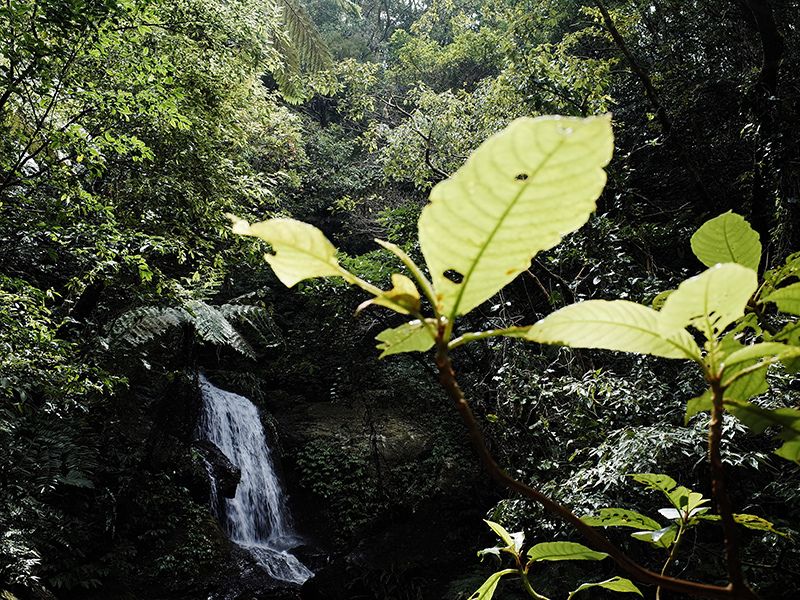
(129, 129)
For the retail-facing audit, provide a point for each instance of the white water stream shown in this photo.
(257, 517)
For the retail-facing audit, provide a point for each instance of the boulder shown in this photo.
(221, 469)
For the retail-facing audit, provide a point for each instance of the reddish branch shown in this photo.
(733, 591)
(723, 501)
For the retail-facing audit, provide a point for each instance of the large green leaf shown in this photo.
(615, 325)
(787, 298)
(413, 336)
(656, 481)
(747, 383)
(699, 404)
(300, 250)
(563, 551)
(761, 350)
(711, 301)
(751, 522)
(727, 238)
(486, 591)
(758, 419)
(517, 194)
(616, 584)
(620, 517)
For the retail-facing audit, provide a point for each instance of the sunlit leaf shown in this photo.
(661, 538)
(495, 550)
(711, 301)
(673, 514)
(653, 481)
(615, 325)
(403, 297)
(619, 517)
(300, 250)
(616, 584)
(486, 591)
(517, 194)
(563, 551)
(746, 385)
(501, 533)
(684, 499)
(761, 350)
(787, 298)
(408, 337)
(751, 522)
(727, 238)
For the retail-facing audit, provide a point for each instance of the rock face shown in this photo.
(368, 419)
(414, 539)
(224, 472)
(240, 579)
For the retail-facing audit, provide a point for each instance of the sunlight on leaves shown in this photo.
(616, 584)
(727, 238)
(408, 337)
(613, 325)
(518, 193)
(300, 250)
(563, 551)
(710, 301)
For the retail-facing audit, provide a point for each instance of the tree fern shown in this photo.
(300, 47)
(212, 326)
(212, 323)
(143, 324)
(259, 318)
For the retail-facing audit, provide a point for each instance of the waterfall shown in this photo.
(257, 517)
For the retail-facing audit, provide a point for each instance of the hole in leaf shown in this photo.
(521, 177)
(454, 276)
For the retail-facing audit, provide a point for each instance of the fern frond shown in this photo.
(312, 49)
(289, 71)
(258, 317)
(143, 324)
(349, 8)
(212, 325)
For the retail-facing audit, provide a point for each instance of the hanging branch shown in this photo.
(427, 138)
(662, 116)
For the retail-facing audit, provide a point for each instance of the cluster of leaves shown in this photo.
(542, 176)
(545, 551)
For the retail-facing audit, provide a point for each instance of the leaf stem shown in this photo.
(468, 337)
(528, 588)
(416, 272)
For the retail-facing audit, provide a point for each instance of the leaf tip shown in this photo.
(239, 226)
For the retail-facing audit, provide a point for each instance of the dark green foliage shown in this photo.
(144, 122)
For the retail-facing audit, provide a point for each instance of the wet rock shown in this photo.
(370, 418)
(225, 473)
(242, 578)
(311, 556)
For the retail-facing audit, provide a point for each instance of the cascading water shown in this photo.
(257, 517)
